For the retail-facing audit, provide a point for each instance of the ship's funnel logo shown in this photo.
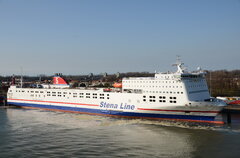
(59, 80)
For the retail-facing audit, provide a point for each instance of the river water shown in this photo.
(39, 133)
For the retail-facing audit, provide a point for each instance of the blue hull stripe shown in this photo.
(117, 113)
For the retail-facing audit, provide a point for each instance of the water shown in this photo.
(38, 133)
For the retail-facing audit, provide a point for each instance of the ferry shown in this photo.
(178, 96)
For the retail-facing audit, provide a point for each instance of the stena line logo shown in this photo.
(122, 106)
(57, 80)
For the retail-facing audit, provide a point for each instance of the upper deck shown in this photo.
(181, 84)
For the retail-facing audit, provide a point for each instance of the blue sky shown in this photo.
(84, 36)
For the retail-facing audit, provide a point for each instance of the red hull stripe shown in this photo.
(235, 102)
(132, 117)
(41, 101)
(178, 110)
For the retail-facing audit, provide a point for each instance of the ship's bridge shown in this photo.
(167, 76)
(192, 75)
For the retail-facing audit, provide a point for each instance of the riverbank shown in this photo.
(232, 109)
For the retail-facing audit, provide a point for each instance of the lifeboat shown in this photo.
(117, 85)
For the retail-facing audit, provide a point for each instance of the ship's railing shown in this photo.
(138, 78)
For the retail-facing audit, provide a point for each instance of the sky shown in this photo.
(78, 37)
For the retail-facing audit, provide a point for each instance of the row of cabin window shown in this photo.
(146, 86)
(194, 86)
(134, 81)
(36, 95)
(161, 101)
(150, 81)
(59, 94)
(196, 80)
(163, 92)
(192, 76)
(29, 91)
(160, 97)
(74, 96)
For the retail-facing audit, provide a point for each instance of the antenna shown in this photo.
(179, 64)
(178, 59)
(210, 83)
(21, 69)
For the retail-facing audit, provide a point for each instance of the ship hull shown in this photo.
(178, 115)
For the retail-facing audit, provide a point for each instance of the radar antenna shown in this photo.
(178, 59)
(179, 64)
(21, 80)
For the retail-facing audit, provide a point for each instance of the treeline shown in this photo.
(224, 83)
(220, 82)
(80, 78)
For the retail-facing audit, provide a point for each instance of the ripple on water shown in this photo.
(36, 133)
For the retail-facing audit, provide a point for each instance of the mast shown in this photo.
(210, 81)
(21, 77)
(180, 68)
